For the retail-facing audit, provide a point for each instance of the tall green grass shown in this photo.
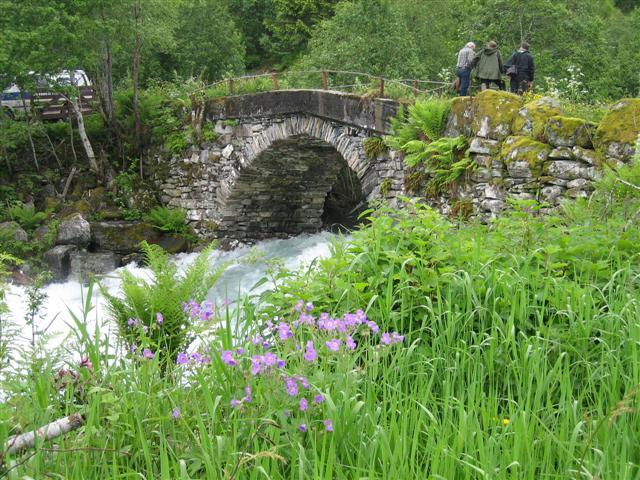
(521, 361)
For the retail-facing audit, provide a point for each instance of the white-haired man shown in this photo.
(464, 66)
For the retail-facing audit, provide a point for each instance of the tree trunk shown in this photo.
(135, 73)
(28, 116)
(18, 443)
(93, 165)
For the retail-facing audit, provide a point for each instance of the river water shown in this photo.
(248, 267)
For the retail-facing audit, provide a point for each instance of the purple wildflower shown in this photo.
(227, 357)
(256, 364)
(351, 345)
(318, 399)
(304, 382)
(304, 405)
(385, 338)
(182, 358)
(281, 363)
(328, 425)
(247, 394)
(239, 351)
(159, 318)
(257, 340)
(270, 359)
(299, 306)
(284, 331)
(372, 326)
(333, 344)
(134, 347)
(175, 413)
(310, 354)
(309, 306)
(396, 337)
(132, 322)
(148, 354)
(291, 386)
(235, 403)
(303, 427)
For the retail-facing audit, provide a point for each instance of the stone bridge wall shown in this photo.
(276, 159)
(531, 151)
(278, 153)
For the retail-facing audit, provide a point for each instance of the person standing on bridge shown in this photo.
(520, 69)
(489, 66)
(464, 67)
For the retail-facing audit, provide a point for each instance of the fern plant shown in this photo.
(26, 215)
(170, 220)
(136, 310)
(425, 121)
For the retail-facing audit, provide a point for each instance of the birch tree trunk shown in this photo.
(86, 143)
(18, 443)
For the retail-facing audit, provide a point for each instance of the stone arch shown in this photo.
(284, 172)
(346, 140)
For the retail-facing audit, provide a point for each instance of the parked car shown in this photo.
(47, 103)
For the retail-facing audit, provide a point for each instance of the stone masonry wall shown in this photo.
(278, 154)
(533, 151)
(269, 176)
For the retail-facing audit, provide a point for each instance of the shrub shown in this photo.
(169, 220)
(150, 313)
(26, 215)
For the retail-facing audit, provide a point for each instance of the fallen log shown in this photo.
(18, 443)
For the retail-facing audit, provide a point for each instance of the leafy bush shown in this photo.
(150, 314)
(170, 220)
(26, 215)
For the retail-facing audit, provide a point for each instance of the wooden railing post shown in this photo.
(415, 87)
(325, 80)
(276, 84)
(381, 87)
(231, 86)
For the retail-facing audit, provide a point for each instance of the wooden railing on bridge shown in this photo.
(336, 80)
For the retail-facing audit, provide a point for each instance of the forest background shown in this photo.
(142, 42)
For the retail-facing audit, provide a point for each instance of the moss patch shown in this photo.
(568, 132)
(525, 149)
(619, 129)
(533, 117)
(494, 113)
(460, 117)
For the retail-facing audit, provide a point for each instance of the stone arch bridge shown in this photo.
(284, 163)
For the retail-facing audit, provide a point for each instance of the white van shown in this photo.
(48, 104)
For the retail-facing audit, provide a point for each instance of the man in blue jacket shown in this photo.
(520, 68)
(464, 67)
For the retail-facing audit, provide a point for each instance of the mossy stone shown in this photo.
(533, 117)
(525, 149)
(618, 131)
(460, 117)
(494, 113)
(570, 132)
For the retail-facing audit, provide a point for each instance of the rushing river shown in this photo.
(238, 280)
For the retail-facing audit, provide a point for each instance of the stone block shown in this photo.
(84, 264)
(58, 259)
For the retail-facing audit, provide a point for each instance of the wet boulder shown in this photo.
(122, 237)
(85, 264)
(74, 230)
(58, 259)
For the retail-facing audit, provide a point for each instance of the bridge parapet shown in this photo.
(370, 114)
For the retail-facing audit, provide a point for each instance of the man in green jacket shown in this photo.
(488, 63)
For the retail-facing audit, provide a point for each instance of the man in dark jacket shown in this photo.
(488, 63)
(520, 68)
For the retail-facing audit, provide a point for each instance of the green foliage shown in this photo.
(170, 220)
(142, 300)
(364, 36)
(373, 146)
(26, 215)
(426, 120)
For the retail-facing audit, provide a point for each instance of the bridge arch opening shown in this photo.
(296, 185)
